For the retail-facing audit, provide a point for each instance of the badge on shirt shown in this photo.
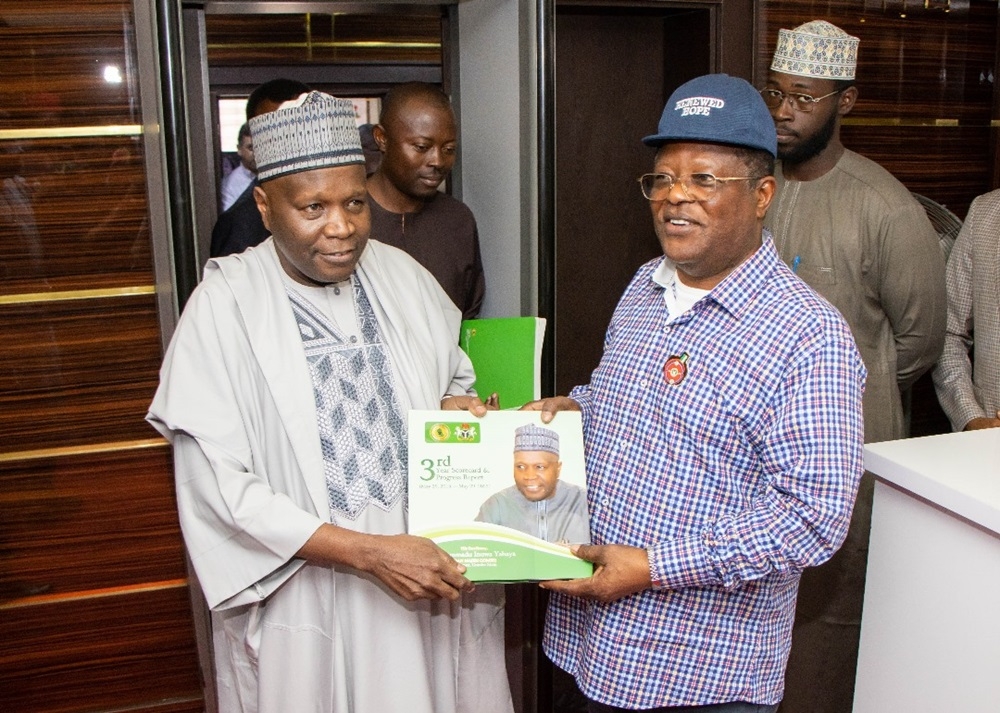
(675, 369)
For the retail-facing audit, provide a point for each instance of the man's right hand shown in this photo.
(983, 422)
(413, 567)
(550, 406)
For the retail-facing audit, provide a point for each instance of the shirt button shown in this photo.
(644, 383)
(605, 501)
(354, 339)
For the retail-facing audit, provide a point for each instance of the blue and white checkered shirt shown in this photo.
(727, 441)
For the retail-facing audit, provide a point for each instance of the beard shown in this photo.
(812, 146)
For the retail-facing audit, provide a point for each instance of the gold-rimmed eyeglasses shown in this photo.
(697, 186)
(804, 103)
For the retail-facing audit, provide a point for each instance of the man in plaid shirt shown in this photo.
(969, 388)
(724, 436)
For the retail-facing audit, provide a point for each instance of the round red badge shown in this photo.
(675, 369)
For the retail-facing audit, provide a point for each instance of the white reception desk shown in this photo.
(930, 632)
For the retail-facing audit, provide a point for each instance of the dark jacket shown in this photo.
(239, 227)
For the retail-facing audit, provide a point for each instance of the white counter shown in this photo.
(930, 632)
(959, 472)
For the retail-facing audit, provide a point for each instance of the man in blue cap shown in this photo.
(724, 436)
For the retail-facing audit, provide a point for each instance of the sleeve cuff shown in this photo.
(680, 563)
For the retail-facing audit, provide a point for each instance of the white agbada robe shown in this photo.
(236, 400)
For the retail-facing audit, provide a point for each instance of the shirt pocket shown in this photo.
(813, 274)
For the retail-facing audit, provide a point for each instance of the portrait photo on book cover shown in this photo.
(504, 494)
(539, 502)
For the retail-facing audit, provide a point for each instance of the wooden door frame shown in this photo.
(734, 30)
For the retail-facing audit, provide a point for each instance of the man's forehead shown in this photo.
(421, 111)
(796, 81)
(535, 455)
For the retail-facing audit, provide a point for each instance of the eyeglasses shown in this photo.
(804, 103)
(697, 186)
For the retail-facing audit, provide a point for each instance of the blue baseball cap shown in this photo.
(719, 109)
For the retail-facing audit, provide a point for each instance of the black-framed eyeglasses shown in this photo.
(697, 186)
(804, 103)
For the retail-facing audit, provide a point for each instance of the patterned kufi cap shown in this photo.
(313, 131)
(536, 438)
(816, 49)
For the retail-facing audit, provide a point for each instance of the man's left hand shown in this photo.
(620, 570)
(473, 404)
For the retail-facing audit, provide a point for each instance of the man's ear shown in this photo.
(260, 198)
(378, 133)
(845, 102)
(765, 194)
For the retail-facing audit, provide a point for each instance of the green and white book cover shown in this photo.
(504, 494)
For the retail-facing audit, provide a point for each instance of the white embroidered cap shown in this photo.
(314, 131)
(816, 49)
(535, 438)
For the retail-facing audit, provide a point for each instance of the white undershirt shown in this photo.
(678, 297)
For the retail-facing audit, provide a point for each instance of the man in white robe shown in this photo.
(318, 607)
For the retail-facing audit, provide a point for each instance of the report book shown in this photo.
(504, 494)
(506, 353)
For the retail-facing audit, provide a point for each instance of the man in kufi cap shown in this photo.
(284, 393)
(857, 236)
(723, 434)
(539, 503)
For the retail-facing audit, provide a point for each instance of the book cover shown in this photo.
(506, 353)
(504, 495)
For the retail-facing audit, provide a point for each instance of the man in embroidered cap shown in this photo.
(723, 433)
(857, 236)
(284, 392)
(539, 503)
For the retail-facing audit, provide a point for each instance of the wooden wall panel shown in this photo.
(73, 215)
(95, 610)
(927, 67)
(77, 416)
(79, 372)
(60, 345)
(110, 520)
(101, 654)
(52, 61)
(194, 705)
(325, 38)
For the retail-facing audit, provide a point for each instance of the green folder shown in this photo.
(506, 353)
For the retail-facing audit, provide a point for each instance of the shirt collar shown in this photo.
(739, 287)
(664, 274)
(745, 283)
